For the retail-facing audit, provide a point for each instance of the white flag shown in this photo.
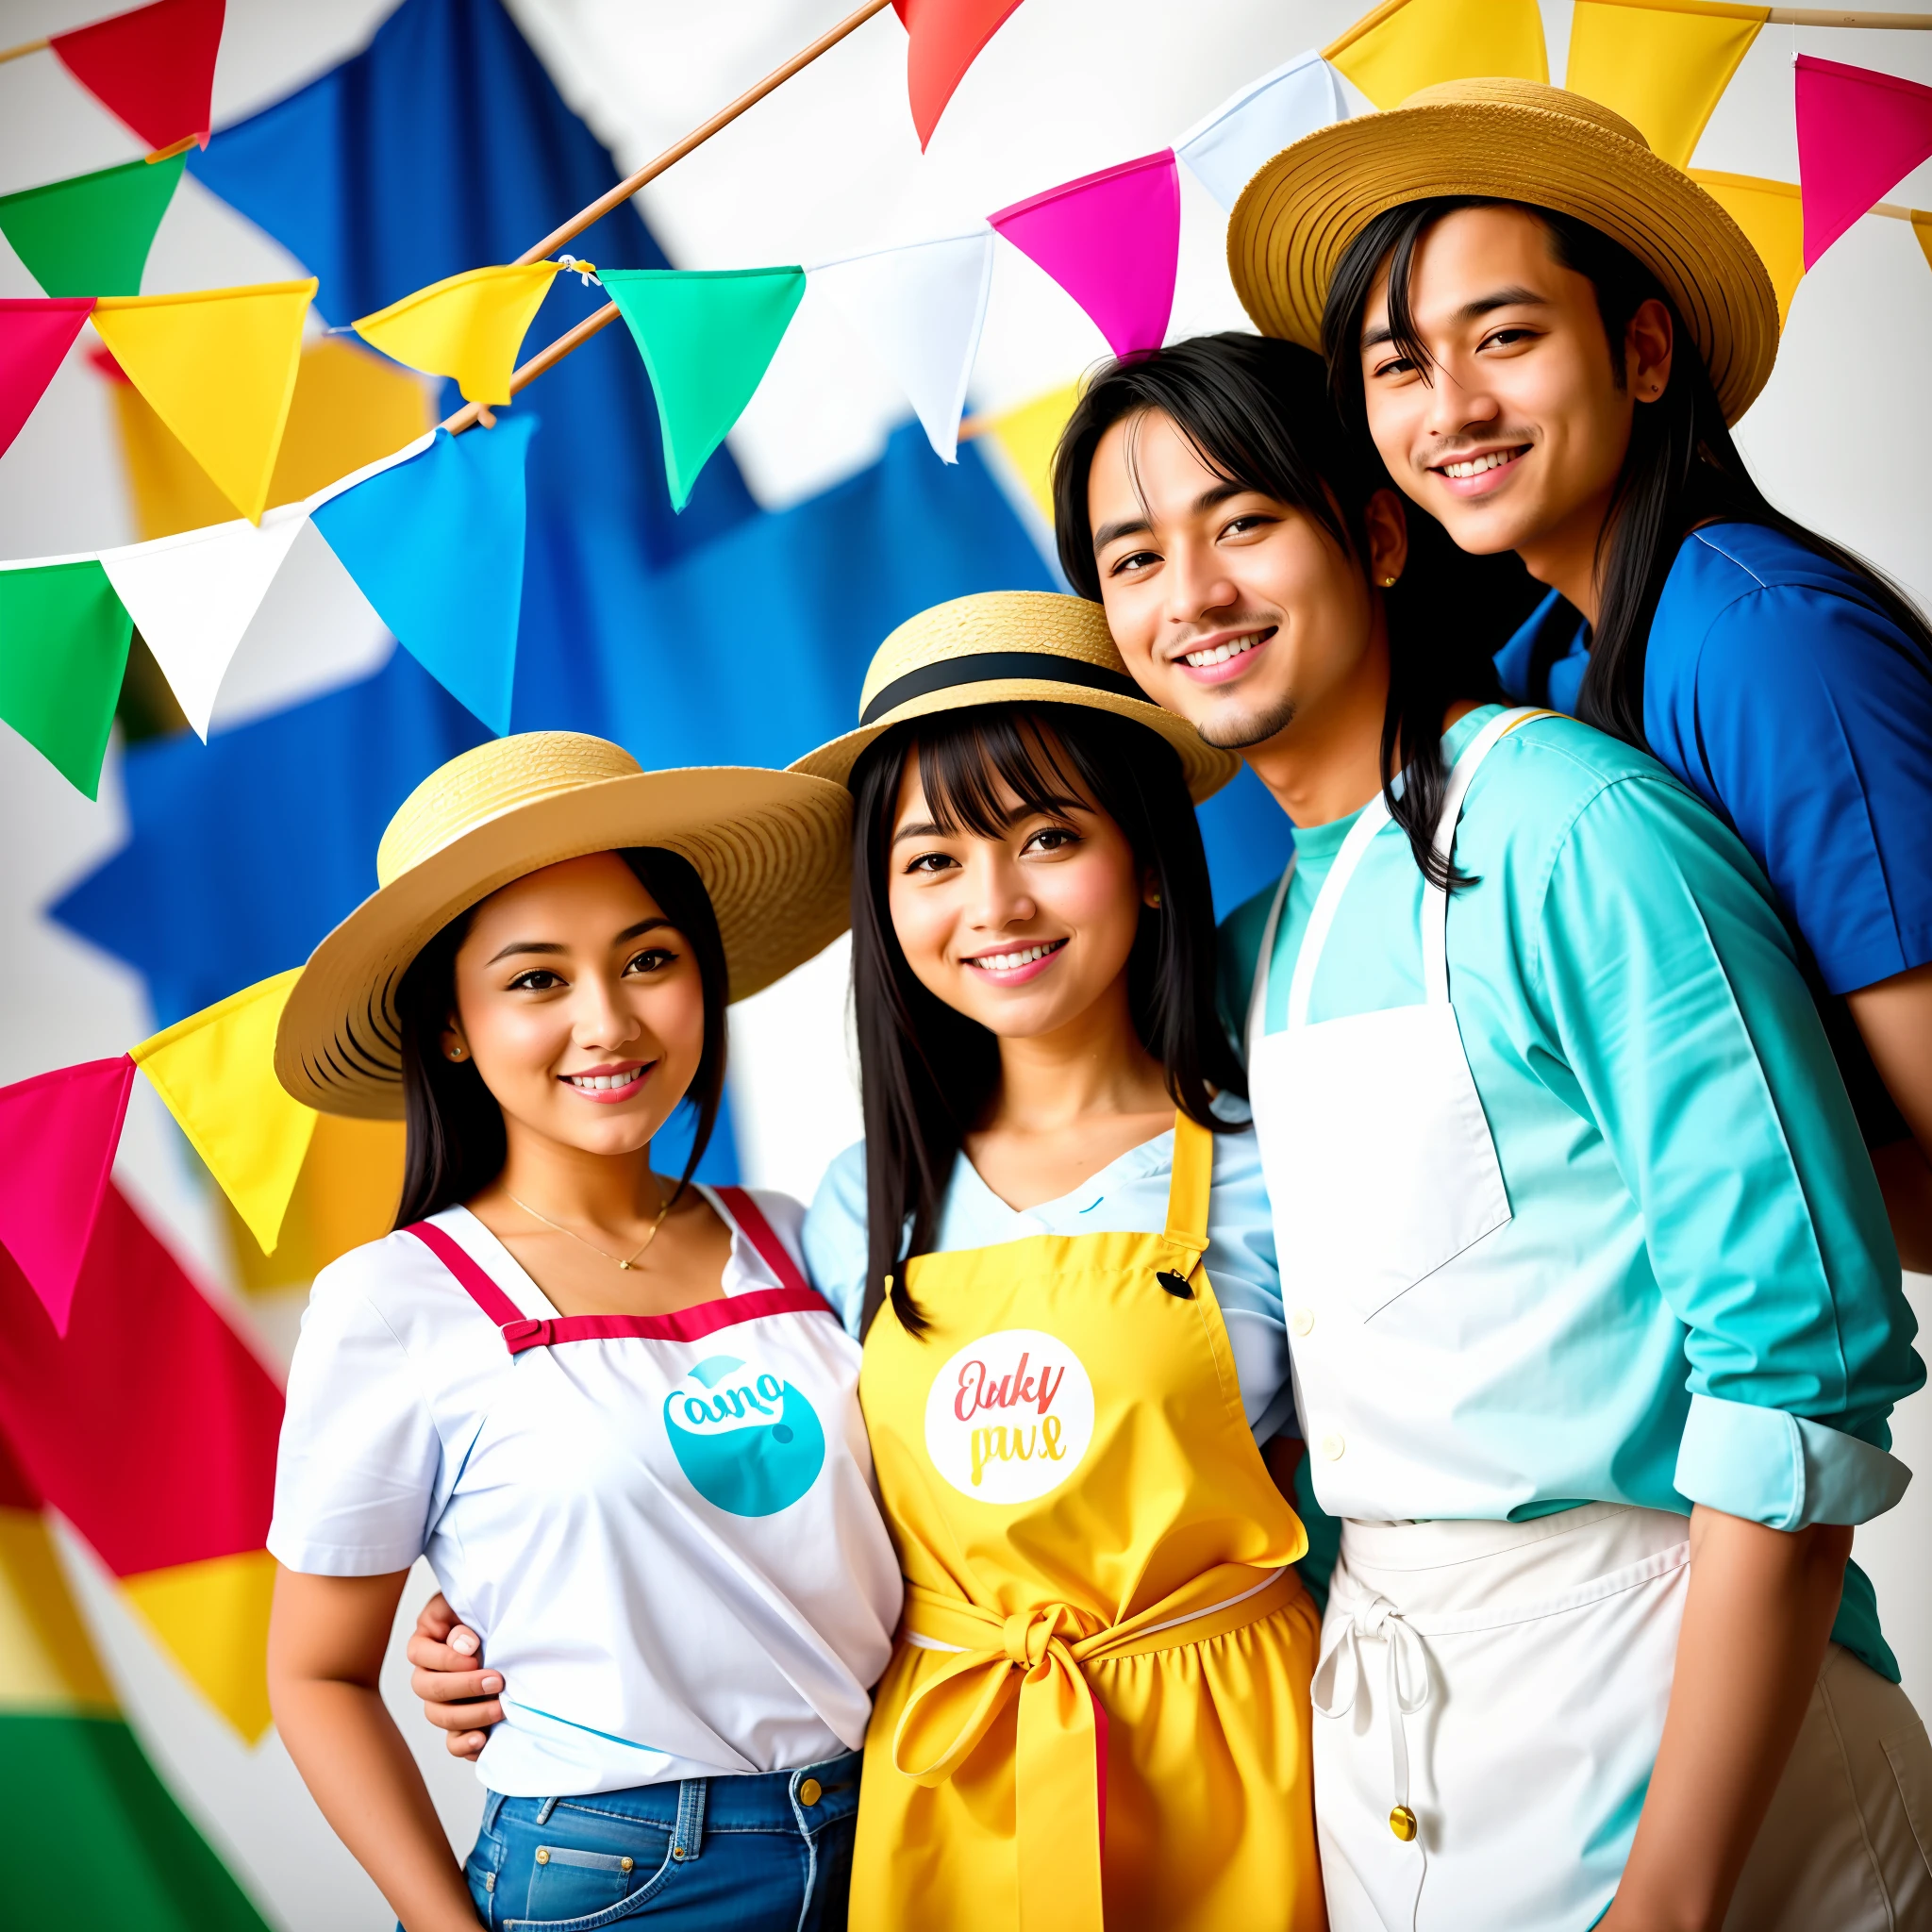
(1226, 149)
(922, 307)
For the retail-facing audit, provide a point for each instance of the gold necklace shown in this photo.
(663, 1208)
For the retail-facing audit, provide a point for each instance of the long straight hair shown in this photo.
(454, 1143)
(928, 1073)
(1681, 469)
(1257, 413)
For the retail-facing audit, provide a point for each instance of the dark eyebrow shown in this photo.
(925, 829)
(551, 946)
(1469, 311)
(1109, 533)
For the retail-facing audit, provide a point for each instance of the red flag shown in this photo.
(1859, 135)
(946, 36)
(35, 336)
(153, 69)
(58, 1136)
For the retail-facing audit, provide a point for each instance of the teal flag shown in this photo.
(707, 335)
(64, 651)
(90, 235)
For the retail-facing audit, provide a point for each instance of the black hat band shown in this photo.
(991, 667)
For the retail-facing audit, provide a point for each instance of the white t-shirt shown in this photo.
(669, 1541)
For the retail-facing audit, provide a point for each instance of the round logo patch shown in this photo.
(1008, 1418)
(750, 1443)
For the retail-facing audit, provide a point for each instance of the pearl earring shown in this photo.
(1388, 583)
(456, 1053)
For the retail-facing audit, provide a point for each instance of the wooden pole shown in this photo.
(555, 352)
(24, 48)
(1819, 16)
(1898, 214)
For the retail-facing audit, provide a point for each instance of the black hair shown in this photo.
(454, 1139)
(1681, 469)
(1258, 412)
(929, 1074)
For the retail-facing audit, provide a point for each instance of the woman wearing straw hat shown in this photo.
(1055, 1244)
(1597, 1323)
(1549, 331)
(602, 1401)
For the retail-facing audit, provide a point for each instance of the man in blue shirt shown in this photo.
(1548, 358)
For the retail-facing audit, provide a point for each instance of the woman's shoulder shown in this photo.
(833, 1233)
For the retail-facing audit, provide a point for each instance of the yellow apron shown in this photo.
(1097, 1710)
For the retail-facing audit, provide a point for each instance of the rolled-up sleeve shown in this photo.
(1677, 1008)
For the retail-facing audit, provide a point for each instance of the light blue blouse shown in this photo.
(1128, 1196)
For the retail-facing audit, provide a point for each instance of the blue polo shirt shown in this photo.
(1784, 696)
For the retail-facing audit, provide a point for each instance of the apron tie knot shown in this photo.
(1029, 1635)
(1406, 1683)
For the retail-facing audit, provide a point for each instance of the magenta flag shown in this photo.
(1111, 240)
(35, 335)
(1859, 135)
(58, 1136)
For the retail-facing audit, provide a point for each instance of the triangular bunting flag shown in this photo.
(1772, 215)
(193, 596)
(63, 652)
(1406, 44)
(153, 69)
(437, 546)
(469, 326)
(1662, 64)
(1224, 151)
(219, 369)
(1859, 135)
(1111, 242)
(707, 335)
(58, 1136)
(216, 1070)
(1029, 435)
(943, 39)
(90, 235)
(35, 337)
(922, 308)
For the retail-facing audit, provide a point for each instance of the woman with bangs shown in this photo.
(1055, 1244)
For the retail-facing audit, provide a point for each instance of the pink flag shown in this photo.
(58, 1136)
(1111, 242)
(35, 335)
(1859, 135)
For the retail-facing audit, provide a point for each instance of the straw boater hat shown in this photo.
(772, 849)
(1514, 141)
(1009, 647)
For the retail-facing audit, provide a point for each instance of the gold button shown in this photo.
(1333, 1446)
(542, 1854)
(678, 1853)
(1402, 1822)
(625, 1864)
(1302, 1321)
(809, 1792)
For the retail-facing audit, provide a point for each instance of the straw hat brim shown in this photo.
(1297, 216)
(773, 848)
(1205, 768)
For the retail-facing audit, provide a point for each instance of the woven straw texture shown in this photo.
(772, 849)
(1041, 622)
(1515, 140)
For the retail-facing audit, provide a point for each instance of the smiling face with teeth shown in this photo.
(1511, 425)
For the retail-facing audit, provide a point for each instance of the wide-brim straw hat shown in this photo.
(1510, 141)
(773, 848)
(1009, 647)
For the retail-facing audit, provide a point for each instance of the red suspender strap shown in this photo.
(458, 1260)
(758, 1231)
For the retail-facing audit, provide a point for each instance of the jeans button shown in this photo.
(542, 1854)
(809, 1792)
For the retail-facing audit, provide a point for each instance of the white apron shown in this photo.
(1440, 1801)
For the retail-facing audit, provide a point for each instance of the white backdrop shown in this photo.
(826, 167)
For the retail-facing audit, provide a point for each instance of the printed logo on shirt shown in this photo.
(1008, 1418)
(747, 1440)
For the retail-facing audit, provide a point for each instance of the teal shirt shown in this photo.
(1680, 1158)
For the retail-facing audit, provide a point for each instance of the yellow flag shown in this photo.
(216, 1070)
(1405, 44)
(470, 327)
(346, 1194)
(213, 1616)
(1772, 219)
(1660, 64)
(219, 367)
(1029, 435)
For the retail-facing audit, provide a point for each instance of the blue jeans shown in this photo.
(766, 1852)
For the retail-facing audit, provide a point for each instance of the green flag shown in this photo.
(63, 649)
(90, 235)
(708, 337)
